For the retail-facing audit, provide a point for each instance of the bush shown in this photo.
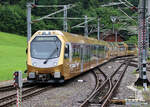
(133, 39)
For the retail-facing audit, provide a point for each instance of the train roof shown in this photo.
(73, 38)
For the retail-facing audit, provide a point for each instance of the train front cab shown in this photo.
(110, 46)
(44, 64)
(115, 49)
(122, 48)
(132, 49)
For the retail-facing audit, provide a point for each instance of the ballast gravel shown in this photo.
(68, 95)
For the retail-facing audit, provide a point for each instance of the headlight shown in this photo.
(55, 63)
(57, 75)
(34, 64)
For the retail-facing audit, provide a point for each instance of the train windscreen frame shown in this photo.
(45, 47)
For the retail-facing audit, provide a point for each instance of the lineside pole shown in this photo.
(113, 28)
(147, 37)
(19, 97)
(116, 39)
(20, 92)
(98, 28)
(29, 6)
(147, 22)
(142, 45)
(86, 27)
(65, 27)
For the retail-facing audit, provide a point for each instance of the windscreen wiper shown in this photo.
(50, 55)
(56, 50)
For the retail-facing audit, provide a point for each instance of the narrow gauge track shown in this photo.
(102, 93)
(11, 99)
(11, 87)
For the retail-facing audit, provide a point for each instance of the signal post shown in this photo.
(18, 85)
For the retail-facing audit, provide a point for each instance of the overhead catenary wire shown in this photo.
(129, 3)
(71, 18)
(112, 4)
(126, 14)
(125, 4)
(44, 17)
(79, 25)
(51, 5)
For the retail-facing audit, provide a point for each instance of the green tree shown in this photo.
(13, 15)
(133, 39)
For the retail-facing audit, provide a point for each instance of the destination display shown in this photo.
(45, 38)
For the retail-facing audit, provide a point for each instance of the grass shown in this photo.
(12, 55)
(146, 95)
(140, 87)
(135, 72)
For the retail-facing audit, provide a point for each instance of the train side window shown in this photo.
(66, 51)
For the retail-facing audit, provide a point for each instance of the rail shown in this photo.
(11, 87)
(11, 99)
(103, 93)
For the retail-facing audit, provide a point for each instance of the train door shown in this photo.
(67, 59)
(67, 54)
(74, 64)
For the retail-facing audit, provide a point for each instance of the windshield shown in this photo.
(45, 47)
(131, 47)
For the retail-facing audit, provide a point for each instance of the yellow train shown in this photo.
(54, 56)
(132, 49)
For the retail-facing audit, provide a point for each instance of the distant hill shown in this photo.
(12, 55)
